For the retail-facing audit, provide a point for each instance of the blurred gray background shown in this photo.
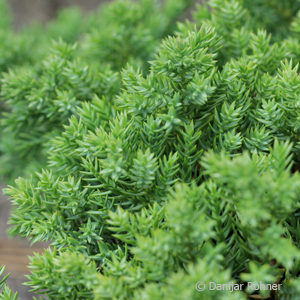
(26, 11)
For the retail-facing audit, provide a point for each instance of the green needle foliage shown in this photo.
(31, 43)
(273, 15)
(127, 31)
(42, 93)
(41, 100)
(186, 174)
(14, 48)
(23, 52)
(5, 292)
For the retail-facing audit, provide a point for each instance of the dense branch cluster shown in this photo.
(168, 162)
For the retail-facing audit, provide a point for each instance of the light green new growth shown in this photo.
(167, 172)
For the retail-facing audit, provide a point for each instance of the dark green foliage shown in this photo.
(14, 48)
(127, 31)
(187, 174)
(274, 15)
(68, 25)
(41, 100)
(32, 42)
(40, 97)
(25, 51)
